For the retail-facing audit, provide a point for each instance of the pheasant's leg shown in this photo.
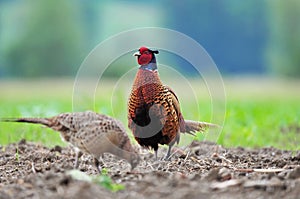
(97, 164)
(78, 154)
(167, 157)
(155, 151)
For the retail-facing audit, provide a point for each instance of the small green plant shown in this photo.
(103, 179)
(17, 154)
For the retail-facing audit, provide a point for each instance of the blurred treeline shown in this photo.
(52, 37)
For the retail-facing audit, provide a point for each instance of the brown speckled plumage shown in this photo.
(91, 133)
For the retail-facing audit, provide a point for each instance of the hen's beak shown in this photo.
(136, 53)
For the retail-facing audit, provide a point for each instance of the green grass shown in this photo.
(259, 112)
(262, 123)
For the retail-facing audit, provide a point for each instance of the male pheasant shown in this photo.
(154, 114)
(91, 133)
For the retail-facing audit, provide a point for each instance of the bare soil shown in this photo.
(202, 170)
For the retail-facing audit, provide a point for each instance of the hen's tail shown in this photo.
(195, 126)
(43, 121)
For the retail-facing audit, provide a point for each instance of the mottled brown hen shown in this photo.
(91, 133)
(154, 114)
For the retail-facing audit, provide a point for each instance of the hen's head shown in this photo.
(145, 56)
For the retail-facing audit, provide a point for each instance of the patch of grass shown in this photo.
(258, 123)
(14, 132)
(258, 112)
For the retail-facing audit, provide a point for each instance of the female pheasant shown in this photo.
(154, 114)
(91, 133)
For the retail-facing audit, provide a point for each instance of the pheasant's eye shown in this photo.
(146, 52)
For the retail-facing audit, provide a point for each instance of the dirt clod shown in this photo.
(294, 174)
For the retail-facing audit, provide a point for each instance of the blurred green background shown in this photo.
(51, 38)
(255, 44)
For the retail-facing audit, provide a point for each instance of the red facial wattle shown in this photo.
(144, 58)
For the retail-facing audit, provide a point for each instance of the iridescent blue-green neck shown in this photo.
(151, 66)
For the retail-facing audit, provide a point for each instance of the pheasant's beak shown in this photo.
(137, 53)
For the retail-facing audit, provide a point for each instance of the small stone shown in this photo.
(294, 174)
(213, 174)
(22, 142)
(56, 148)
(224, 174)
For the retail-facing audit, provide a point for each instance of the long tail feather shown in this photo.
(43, 121)
(195, 126)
